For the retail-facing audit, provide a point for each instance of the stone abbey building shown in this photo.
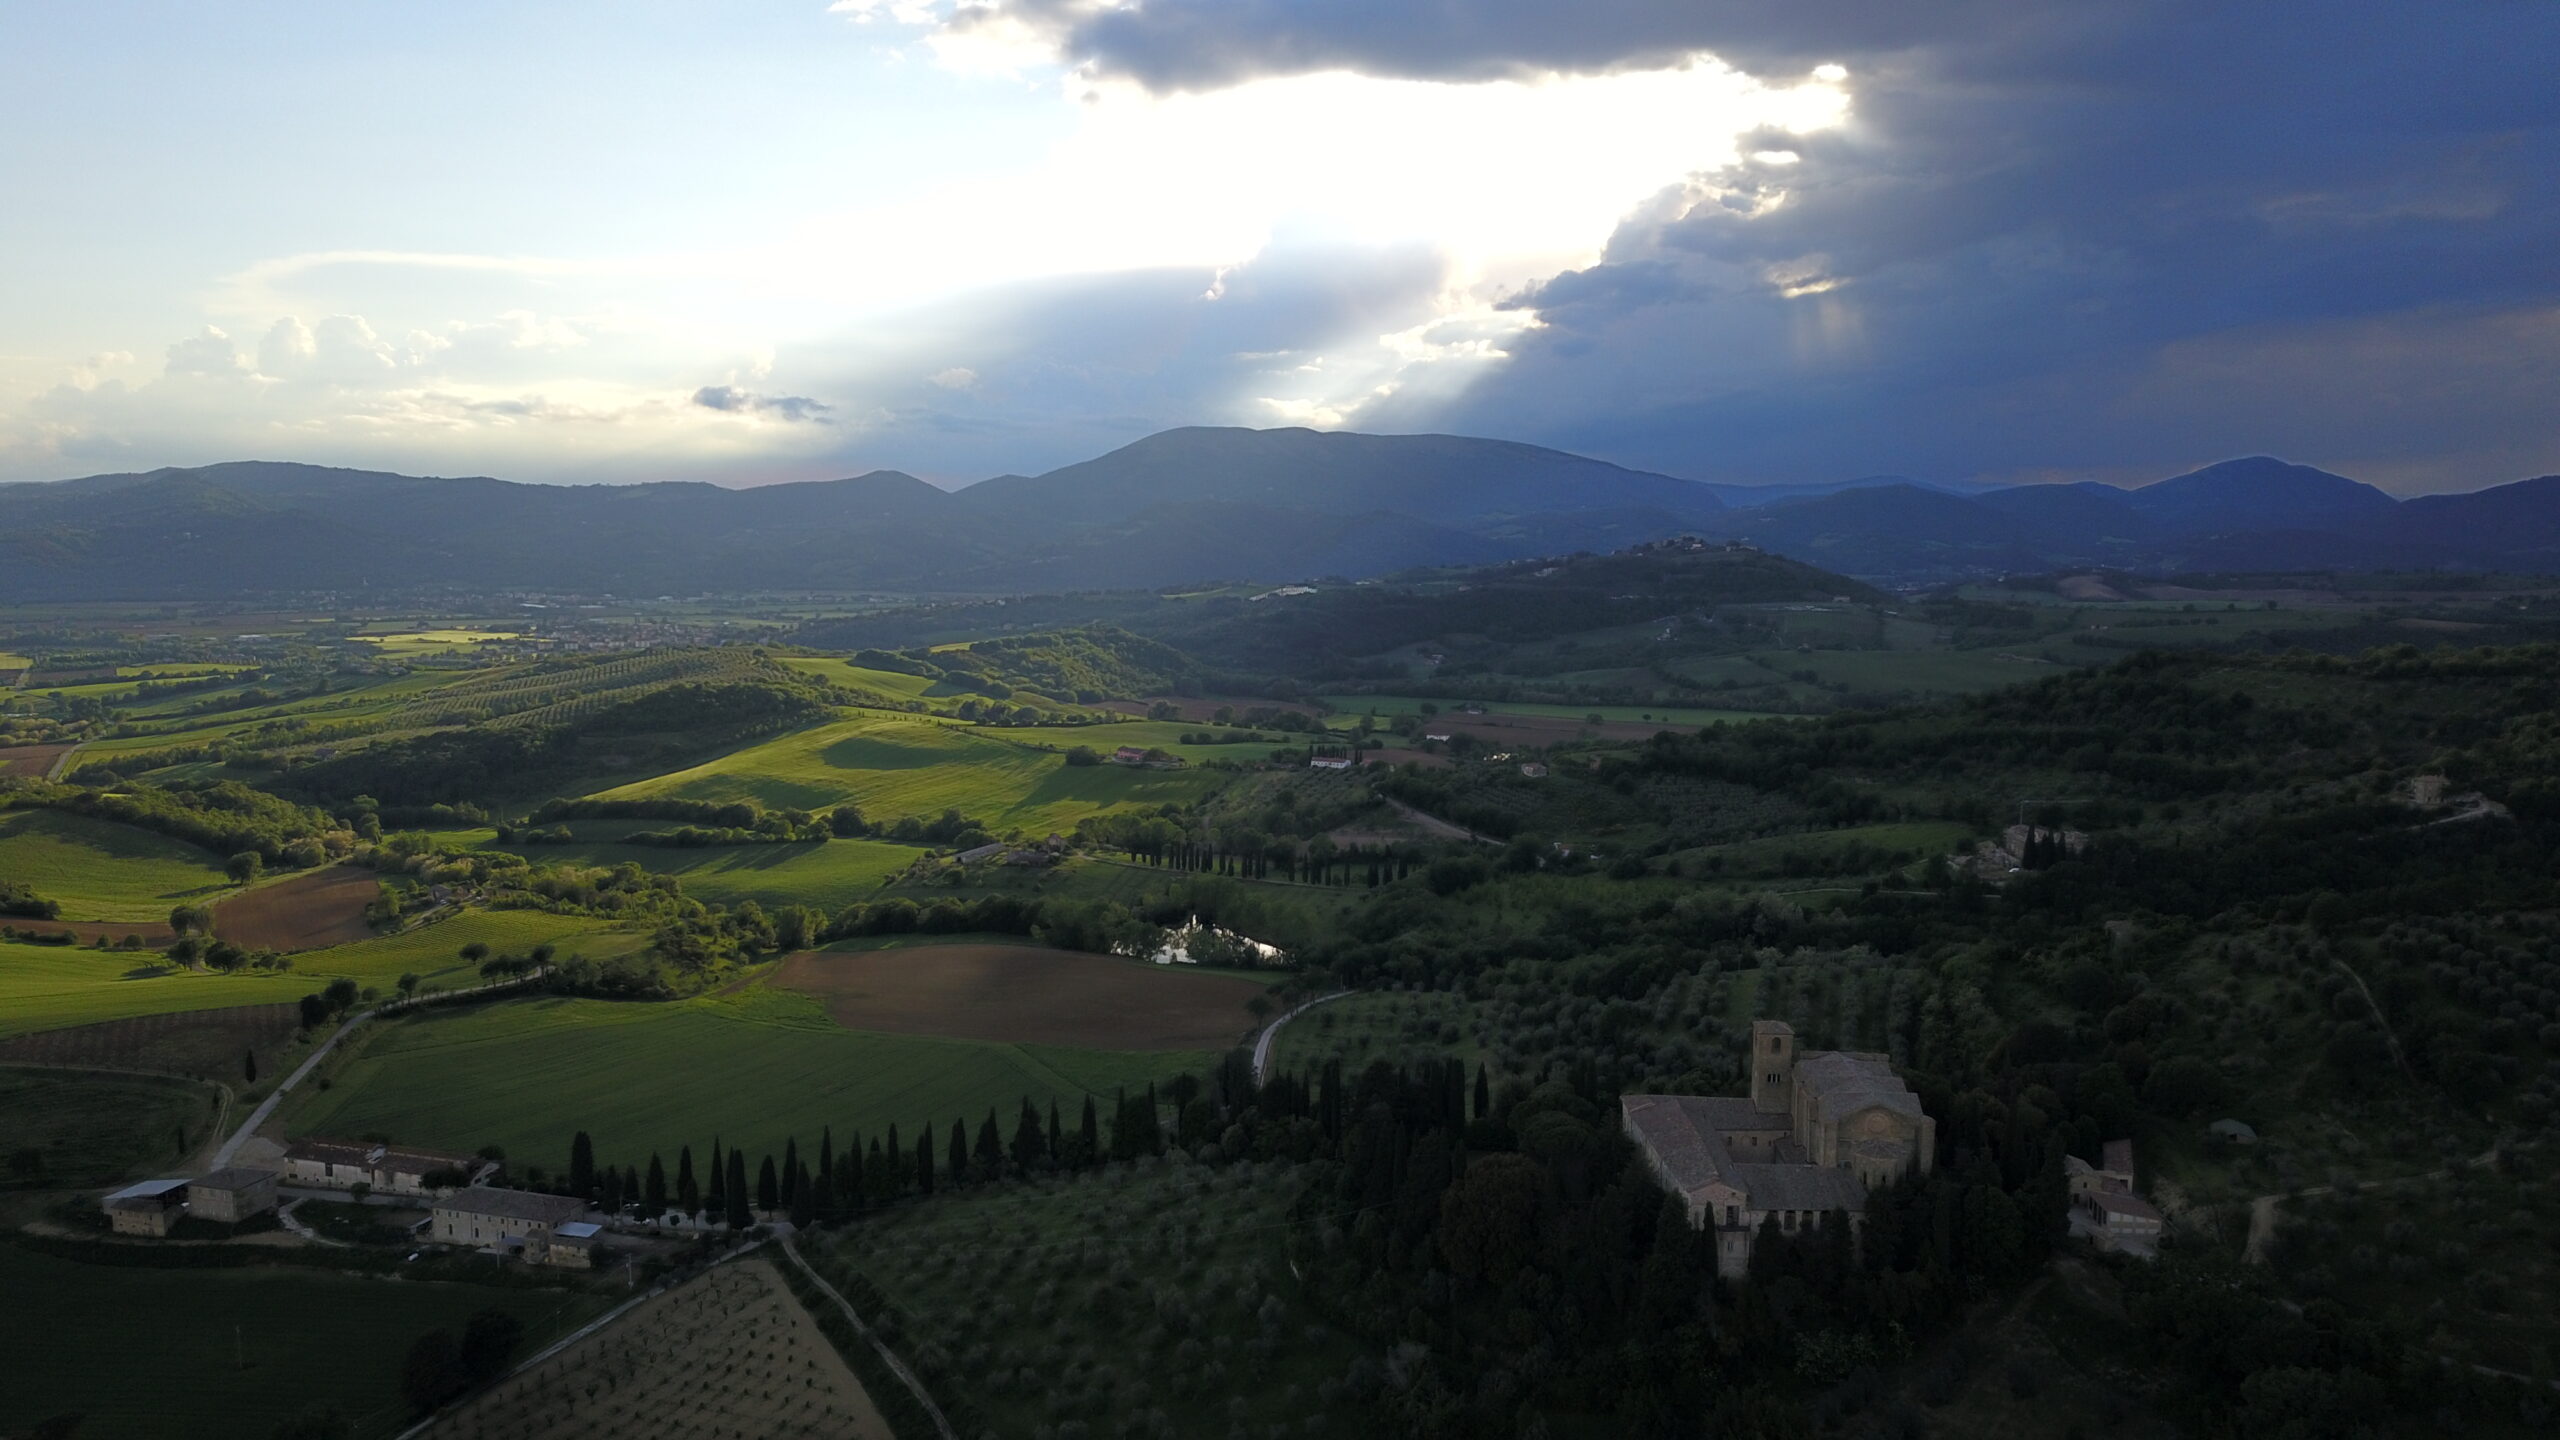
(1818, 1131)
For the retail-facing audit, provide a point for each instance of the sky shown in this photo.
(1742, 240)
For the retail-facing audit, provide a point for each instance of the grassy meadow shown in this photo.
(97, 1128)
(228, 1354)
(904, 765)
(99, 870)
(756, 1068)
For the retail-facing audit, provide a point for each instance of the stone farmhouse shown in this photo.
(388, 1169)
(1818, 1131)
(517, 1222)
(232, 1195)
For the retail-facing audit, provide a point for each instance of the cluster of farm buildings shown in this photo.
(465, 1209)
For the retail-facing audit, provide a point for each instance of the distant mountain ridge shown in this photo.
(1188, 506)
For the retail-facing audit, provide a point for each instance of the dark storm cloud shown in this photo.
(732, 400)
(2058, 235)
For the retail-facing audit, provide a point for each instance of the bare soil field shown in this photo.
(153, 933)
(1023, 994)
(323, 907)
(1423, 758)
(205, 1044)
(30, 761)
(731, 1353)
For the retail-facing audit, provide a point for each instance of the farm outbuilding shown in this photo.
(232, 1195)
(149, 1207)
(387, 1169)
(574, 1245)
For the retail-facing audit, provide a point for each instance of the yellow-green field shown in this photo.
(434, 642)
(829, 873)
(845, 672)
(48, 987)
(99, 870)
(901, 765)
(755, 1069)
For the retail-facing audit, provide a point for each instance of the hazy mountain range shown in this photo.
(1191, 505)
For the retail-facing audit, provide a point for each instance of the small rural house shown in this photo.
(519, 1222)
(233, 1195)
(574, 1245)
(1129, 755)
(2126, 1223)
(388, 1169)
(147, 1207)
(983, 852)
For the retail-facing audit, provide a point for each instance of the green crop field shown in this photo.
(1163, 735)
(46, 987)
(755, 1068)
(99, 870)
(829, 873)
(230, 1352)
(1390, 706)
(95, 1128)
(433, 950)
(845, 672)
(893, 766)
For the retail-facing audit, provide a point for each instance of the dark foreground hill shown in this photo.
(1188, 506)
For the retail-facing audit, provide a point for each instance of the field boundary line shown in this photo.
(888, 1356)
(62, 762)
(1271, 1033)
(582, 1332)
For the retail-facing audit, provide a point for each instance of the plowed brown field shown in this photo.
(30, 761)
(324, 907)
(1025, 995)
(208, 1044)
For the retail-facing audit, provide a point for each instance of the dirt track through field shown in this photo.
(1025, 995)
(307, 912)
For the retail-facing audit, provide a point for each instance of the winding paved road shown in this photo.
(1271, 1032)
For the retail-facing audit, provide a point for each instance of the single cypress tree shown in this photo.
(822, 1196)
(827, 1153)
(768, 1188)
(718, 1200)
(582, 1165)
(924, 1160)
(611, 1199)
(1089, 1135)
(653, 1190)
(739, 1216)
(990, 1157)
(1150, 1125)
(249, 1066)
(804, 1204)
(851, 1192)
(1057, 1137)
(1028, 1143)
(879, 1175)
(956, 1166)
(899, 1176)
(1124, 1135)
(688, 1190)
(790, 1165)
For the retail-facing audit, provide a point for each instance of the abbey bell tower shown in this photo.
(1773, 1067)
